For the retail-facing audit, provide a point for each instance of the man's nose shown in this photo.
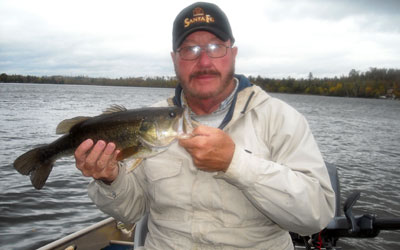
(204, 58)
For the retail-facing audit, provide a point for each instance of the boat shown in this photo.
(110, 234)
(107, 234)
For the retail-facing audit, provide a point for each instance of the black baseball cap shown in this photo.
(201, 16)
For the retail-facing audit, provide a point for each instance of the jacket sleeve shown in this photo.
(124, 199)
(291, 186)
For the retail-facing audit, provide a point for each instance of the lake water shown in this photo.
(360, 136)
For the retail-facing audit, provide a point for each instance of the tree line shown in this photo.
(162, 82)
(374, 83)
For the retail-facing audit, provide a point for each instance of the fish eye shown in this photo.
(172, 114)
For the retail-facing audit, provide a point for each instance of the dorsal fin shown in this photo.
(114, 108)
(66, 125)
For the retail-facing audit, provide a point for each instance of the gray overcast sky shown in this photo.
(123, 38)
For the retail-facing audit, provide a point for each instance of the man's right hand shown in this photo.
(98, 161)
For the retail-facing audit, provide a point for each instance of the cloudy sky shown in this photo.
(124, 38)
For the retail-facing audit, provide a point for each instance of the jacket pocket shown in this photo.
(166, 188)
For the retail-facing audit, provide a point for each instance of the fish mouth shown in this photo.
(185, 124)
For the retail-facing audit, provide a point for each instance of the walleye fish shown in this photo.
(137, 133)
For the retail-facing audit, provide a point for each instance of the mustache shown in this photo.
(204, 72)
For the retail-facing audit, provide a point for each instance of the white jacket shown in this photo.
(277, 182)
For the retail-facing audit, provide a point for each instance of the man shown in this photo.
(251, 173)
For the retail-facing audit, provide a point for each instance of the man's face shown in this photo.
(205, 77)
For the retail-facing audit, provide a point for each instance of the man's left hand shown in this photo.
(211, 148)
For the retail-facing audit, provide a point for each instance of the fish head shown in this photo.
(161, 127)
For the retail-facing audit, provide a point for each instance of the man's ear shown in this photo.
(173, 56)
(234, 51)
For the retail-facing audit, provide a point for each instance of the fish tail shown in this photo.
(36, 164)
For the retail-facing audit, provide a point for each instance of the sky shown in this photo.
(128, 38)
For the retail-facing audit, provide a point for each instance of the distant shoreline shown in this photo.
(72, 84)
(375, 83)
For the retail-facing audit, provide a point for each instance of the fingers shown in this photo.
(185, 136)
(211, 148)
(106, 159)
(91, 159)
(81, 152)
(98, 161)
(196, 138)
(203, 130)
